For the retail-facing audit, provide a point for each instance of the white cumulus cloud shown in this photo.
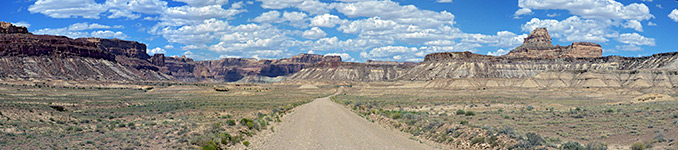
(633, 24)
(156, 50)
(635, 39)
(674, 15)
(325, 20)
(522, 11)
(600, 9)
(314, 33)
(499, 52)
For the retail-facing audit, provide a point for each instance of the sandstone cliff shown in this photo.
(8, 28)
(26, 57)
(538, 45)
(570, 79)
(537, 63)
(468, 65)
(349, 71)
(236, 69)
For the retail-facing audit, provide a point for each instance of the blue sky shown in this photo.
(357, 30)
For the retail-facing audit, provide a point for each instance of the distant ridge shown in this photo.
(536, 63)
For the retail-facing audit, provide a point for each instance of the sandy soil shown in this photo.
(323, 124)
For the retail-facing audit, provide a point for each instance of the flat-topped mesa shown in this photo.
(26, 45)
(8, 28)
(538, 45)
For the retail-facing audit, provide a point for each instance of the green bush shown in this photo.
(596, 146)
(460, 112)
(571, 146)
(247, 122)
(477, 140)
(396, 115)
(463, 122)
(530, 108)
(210, 146)
(246, 143)
(535, 139)
(638, 146)
(470, 113)
(230, 122)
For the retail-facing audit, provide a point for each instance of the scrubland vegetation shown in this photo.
(165, 116)
(521, 118)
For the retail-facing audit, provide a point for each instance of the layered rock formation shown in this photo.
(119, 47)
(236, 69)
(538, 45)
(537, 63)
(26, 56)
(570, 79)
(23, 45)
(349, 71)
(469, 65)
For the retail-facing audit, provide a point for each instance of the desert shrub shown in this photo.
(535, 139)
(463, 122)
(247, 122)
(638, 146)
(225, 138)
(460, 112)
(470, 113)
(609, 110)
(246, 143)
(508, 131)
(230, 122)
(507, 117)
(659, 138)
(226, 116)
(477, 140)
(396, 115)
(210, 146)
(530, 108)
(596, 146)
(571, 146)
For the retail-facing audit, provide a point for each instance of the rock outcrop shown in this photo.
(468, 65)
(537, 63)
(119, 47)
(23, 45)
(569, 79)
(538, 45)
(8, 28)
(350, 71)
(236, 69)
(26, 56)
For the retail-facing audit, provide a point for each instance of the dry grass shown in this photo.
(165, 117)
(610, 116)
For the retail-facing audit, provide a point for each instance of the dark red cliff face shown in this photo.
(73, 59)
(120, 47)
(235, 69)
(22, 45)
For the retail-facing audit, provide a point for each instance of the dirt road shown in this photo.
(323, 124)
